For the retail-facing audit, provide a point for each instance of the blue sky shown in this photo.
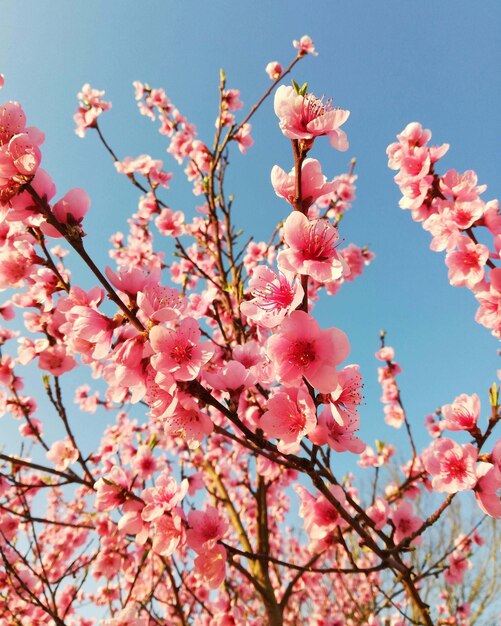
(388, 62)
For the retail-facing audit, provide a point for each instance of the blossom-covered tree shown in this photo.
(214, 496)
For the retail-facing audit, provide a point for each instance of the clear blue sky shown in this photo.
(389, 62)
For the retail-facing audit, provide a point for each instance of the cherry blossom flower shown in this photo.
(305, 46)
(210, 565)
(340, 436)
(274, 70)
(466, 264)
(452, 465)
(300, 348)
(307, 117)
(90, 107)
(405, 521)
(70, 211)
(320, 516)
(243, 138)
(179, 351)
(62, 454)
(275, 295)
(462, 414)
(183, 418)
(314, 185)
(290, 416)
(311, 249)
(206, 529)
(112, 490)
(379, 512)
(164, 496)
(126, 617)
(488, 488)
(169, 533)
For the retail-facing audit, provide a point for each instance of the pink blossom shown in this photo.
(463, 413)
(300, 348)
(70, 211)
(159, 303)
(131, 280)
(385, 354)
(131, 521)
(231, 99)
(170, 223)
(379, 512)
(488, 488)
(169, 534)
(233, 376)
(344, 400)
(320, 516)
(19, 152)
(466, 265)
(62, 454)
(452, 465)
(307, 117)
(462, 187)
(369, 458)
(8, 527)
(394, 415)
(56, 360)
(90, 107)
(90, 331)
(144, 463)
(179, 351)
(164, 496)
(2, 81)
(112, 490)
(305, 46)
(291, 415)
(275, 295)
(210, 565)
(446, 234)
(405, 521)
(457, 566)
(311, 248)
(183, 418)
(339, 435)
(243, 138)
(206, 529)
(274, 70)
(313, 183)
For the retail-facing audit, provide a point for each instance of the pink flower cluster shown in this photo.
(451, 210)
(19, 151)
(393, 412)
(90, 107)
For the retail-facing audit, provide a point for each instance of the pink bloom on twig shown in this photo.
(300, 348)
(305, 46)
(274, 70)
(179, 351)
(206, 529)
(312, 249)
(462, 414)
(314, 184)
(275, 295)
(290, 416)
(452, 465)
(307, 117)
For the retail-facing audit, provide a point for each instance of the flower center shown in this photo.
(181, 353)
(312, 108)
(318, 243)
(302, 353)
(275, 297)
